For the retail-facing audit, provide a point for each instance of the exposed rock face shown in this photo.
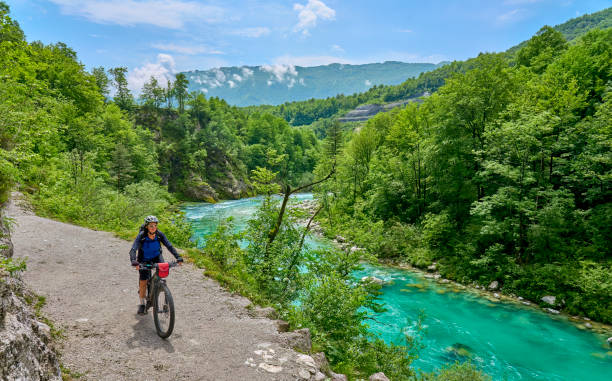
(264, 312)
(494, 285)
(24, 341)
(221, 175)
(380, 376)
(200, 190)
(549, 299)
(25, 352)
(299, 339)
(365, 112)
(222, 179)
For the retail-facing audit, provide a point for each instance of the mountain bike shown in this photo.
(160, 298)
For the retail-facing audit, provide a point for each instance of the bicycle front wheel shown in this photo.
(163, 311)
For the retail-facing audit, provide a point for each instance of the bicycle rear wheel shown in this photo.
(163, 311)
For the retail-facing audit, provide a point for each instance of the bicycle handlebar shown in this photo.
(149, 266)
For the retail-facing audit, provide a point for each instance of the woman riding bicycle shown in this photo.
(148, 246)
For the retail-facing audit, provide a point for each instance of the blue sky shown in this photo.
(155, 37)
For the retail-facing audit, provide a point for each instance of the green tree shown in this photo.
(545, 46)
(121, 167)
(123, 97)
(101, 80)
(152, 94)
(180, 90)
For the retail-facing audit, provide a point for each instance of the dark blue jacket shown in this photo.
(161, 237)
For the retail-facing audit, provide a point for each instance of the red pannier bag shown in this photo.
(163, 269)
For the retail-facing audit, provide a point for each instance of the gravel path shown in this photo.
(91, 293)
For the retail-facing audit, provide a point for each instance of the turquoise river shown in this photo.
(505, 340)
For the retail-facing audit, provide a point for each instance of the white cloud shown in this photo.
(309, 14)
(405, 30)
(163, 70)
(255, 32)
(246, 72)
(186, 49)
(171, 14)
(237, 78)
(281, 73)
(231, 84)
(368, 83)
(217, 79)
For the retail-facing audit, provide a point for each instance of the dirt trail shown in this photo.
(91, 293)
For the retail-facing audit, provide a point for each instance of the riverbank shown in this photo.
(458, 326)
(492, 293)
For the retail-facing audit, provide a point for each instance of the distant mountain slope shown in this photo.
(578, 26)
(276, 84)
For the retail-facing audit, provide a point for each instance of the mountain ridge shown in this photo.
(277, 84)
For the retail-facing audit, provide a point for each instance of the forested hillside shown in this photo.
(276, 84)
(504, 174)
(106, 163)
(313, 110)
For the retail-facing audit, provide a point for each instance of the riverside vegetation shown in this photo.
(503, 174)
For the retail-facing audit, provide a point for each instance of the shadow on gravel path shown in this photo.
(144, 336)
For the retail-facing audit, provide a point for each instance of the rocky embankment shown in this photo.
(367, 111)
(224, 180)
(26, 350)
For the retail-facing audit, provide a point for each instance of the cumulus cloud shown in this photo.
(281, 74)
(246, 72)
(231, 84)
(163, 70)
(309, 14)
(368, 83)
(255, 32)
(237, 78)
(171, 14)
(186, 49)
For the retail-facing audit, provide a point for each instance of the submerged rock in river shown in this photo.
(372, 279)
(459, 352)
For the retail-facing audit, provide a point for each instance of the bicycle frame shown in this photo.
(154, 281)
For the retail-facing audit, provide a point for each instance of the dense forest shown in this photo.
(100, 161)
(504, 174)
